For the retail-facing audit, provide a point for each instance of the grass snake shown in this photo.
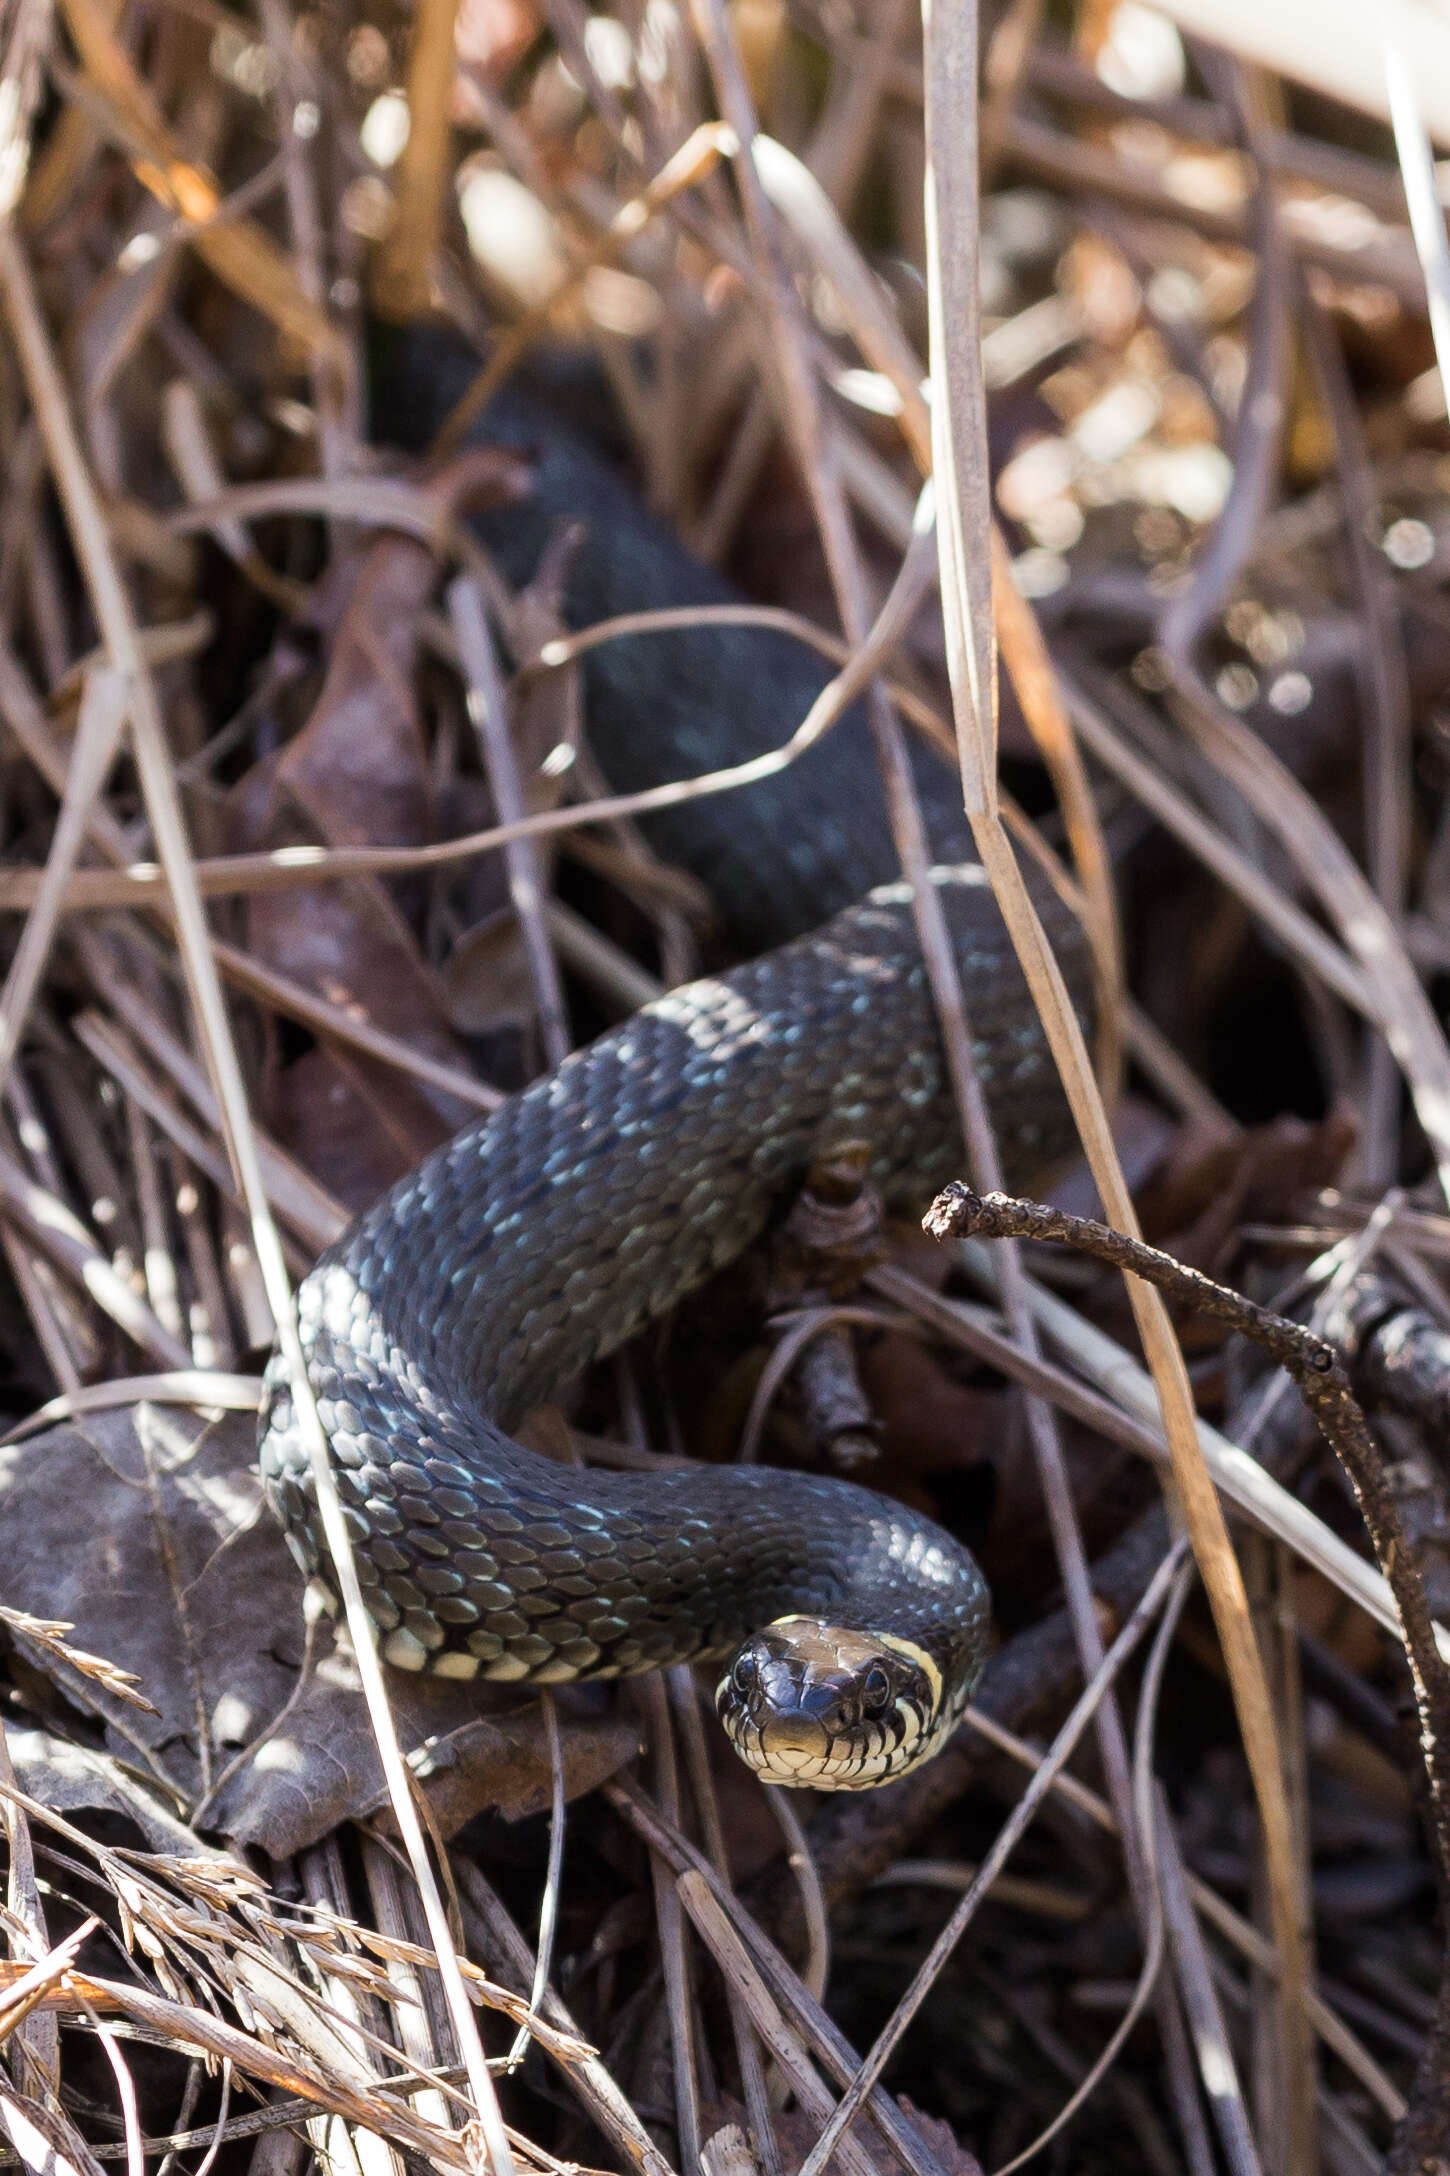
(547, 1235)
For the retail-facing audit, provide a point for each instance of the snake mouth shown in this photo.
(791, 1759)
(794, 1747)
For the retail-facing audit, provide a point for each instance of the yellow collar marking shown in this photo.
(910, 1652)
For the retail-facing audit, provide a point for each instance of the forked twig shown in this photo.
(1320, 1377)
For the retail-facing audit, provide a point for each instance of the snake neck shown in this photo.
(480, 1558)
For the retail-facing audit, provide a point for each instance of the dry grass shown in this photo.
(309, 858)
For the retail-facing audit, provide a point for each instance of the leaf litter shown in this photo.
(1220, 457)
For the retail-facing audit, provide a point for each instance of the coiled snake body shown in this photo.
(548, 1235)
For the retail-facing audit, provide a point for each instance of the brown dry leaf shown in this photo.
(1144, 1137)
(358, 766)
(1196, 1200)
(71, 1778)
(146, 1529)
(356, 774)
(930, 1422)
(336, 1114)
(796, 2132)
(486, 980)
(951, 2155)
(322, 1766)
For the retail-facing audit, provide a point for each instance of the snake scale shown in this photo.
(588, 1206)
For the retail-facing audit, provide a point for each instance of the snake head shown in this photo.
(814, 1706)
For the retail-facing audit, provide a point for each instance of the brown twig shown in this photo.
(1321, 1379)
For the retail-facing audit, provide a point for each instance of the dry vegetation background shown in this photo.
(304, 864)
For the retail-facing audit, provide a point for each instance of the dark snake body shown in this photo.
(593, 1202)
(587, 1207)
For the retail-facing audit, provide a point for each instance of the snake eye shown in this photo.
(744, 1674)
(876, 1692)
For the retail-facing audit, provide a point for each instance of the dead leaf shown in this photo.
(951, 2155)
(322, 1767)
(1196, 1199)
(339, 1120)
(72, 1778)
(486, 978)
(796, 2133)
(1143, 1137)
(356, 774)
(931, 1423)
(145, 1529)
